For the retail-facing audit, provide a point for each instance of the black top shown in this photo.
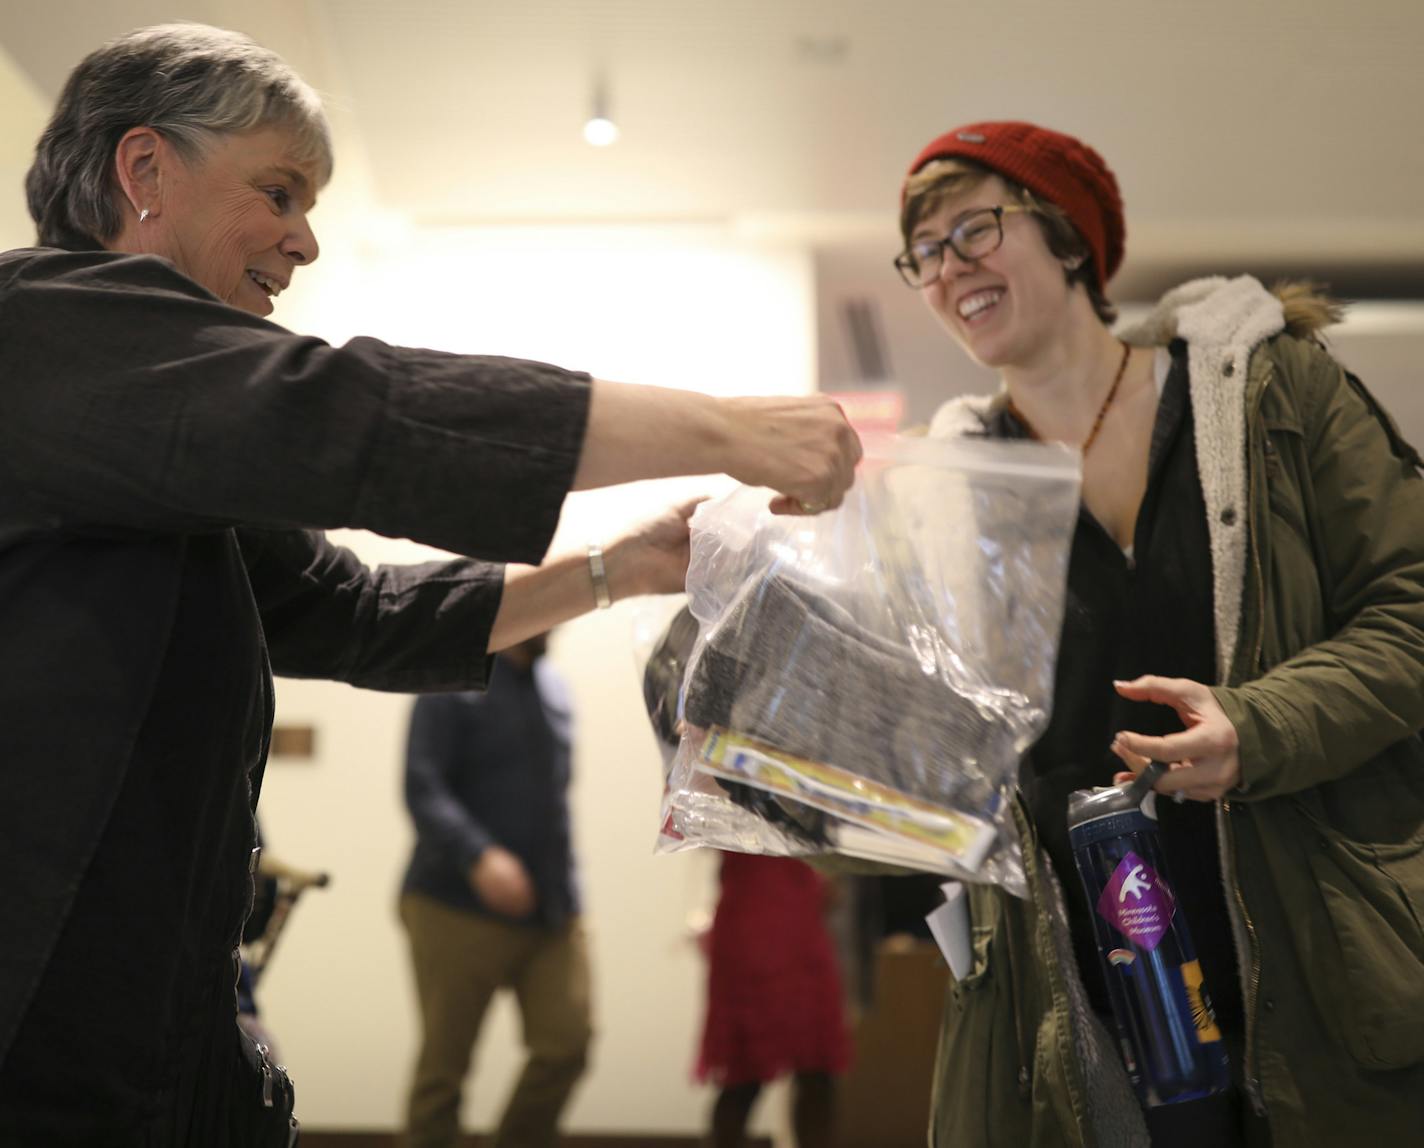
(1124, 617)
(160, 456)
(487, 769)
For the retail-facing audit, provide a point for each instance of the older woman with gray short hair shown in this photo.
(168, 462)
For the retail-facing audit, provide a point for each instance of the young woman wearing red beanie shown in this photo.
(1245, 602)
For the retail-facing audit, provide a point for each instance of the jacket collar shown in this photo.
(1213, 312)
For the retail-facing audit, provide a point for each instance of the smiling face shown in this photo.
(235, 218)
(1006, 308)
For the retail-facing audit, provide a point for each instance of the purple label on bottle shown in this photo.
(1137, 903)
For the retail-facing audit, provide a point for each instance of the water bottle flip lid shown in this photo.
(1086, 805)
(1140, 785)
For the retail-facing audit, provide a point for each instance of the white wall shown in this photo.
(22, 118)
(685, 307)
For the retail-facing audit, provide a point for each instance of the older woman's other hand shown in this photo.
(1203, 760)
(652, 557)
(801, 447)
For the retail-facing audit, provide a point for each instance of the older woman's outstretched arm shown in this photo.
(134, 400)
(433, 625)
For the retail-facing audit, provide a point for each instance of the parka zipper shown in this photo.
(1252, 982)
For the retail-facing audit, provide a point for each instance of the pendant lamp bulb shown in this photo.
(600, 130)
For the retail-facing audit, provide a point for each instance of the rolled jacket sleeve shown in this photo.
(413, 628)
(134, 400)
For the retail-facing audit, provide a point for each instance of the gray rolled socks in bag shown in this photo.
(790, 668)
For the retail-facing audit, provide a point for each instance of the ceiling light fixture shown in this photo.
(600, 130)
(824, 50)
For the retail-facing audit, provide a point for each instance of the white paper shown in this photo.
(949, 924)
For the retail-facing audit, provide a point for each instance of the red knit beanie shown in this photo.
(1064, 171)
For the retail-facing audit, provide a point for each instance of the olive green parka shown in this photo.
(1315, 509)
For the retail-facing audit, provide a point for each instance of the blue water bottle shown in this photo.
(1170, 1041)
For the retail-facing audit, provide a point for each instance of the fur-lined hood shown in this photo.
(1216, 311)
(1226, 312)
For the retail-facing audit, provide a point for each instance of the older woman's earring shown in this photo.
(142, 215)
(1073, 263)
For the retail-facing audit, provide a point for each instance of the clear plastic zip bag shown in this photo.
(866, 681)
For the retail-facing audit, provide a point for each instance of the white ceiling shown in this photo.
(1269, 135)
(1270, 123)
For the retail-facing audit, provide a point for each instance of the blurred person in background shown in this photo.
(775, 1006)
(1245, 601)
(170, 460)
(490, 899)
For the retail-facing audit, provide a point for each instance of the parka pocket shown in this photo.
(1283, 449)
(981, 937)
(1374, 902)
(978, 1100)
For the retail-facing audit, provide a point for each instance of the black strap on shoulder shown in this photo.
(1399, 446)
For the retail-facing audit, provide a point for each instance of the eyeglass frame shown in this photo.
(998, 211)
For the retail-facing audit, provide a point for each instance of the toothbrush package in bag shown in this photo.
(865, 681)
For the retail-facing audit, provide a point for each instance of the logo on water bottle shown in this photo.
(1137, 902)
(1134, 883)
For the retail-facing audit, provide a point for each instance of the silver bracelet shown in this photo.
(599, 574)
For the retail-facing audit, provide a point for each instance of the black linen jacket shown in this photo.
(167, 465)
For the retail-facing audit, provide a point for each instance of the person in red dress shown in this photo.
(774, 1001)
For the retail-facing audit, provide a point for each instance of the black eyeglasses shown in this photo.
(976, 235)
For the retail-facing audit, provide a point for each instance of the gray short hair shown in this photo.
(189, 82)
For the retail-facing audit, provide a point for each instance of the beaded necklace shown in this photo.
(1102, 410)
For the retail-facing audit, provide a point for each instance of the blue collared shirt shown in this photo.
(493, 768)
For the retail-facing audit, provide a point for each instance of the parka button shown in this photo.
(1230, 368)
(1024, 1081)
(1228, 516)
(1269, 1004)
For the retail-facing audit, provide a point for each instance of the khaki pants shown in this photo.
(460, 960)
